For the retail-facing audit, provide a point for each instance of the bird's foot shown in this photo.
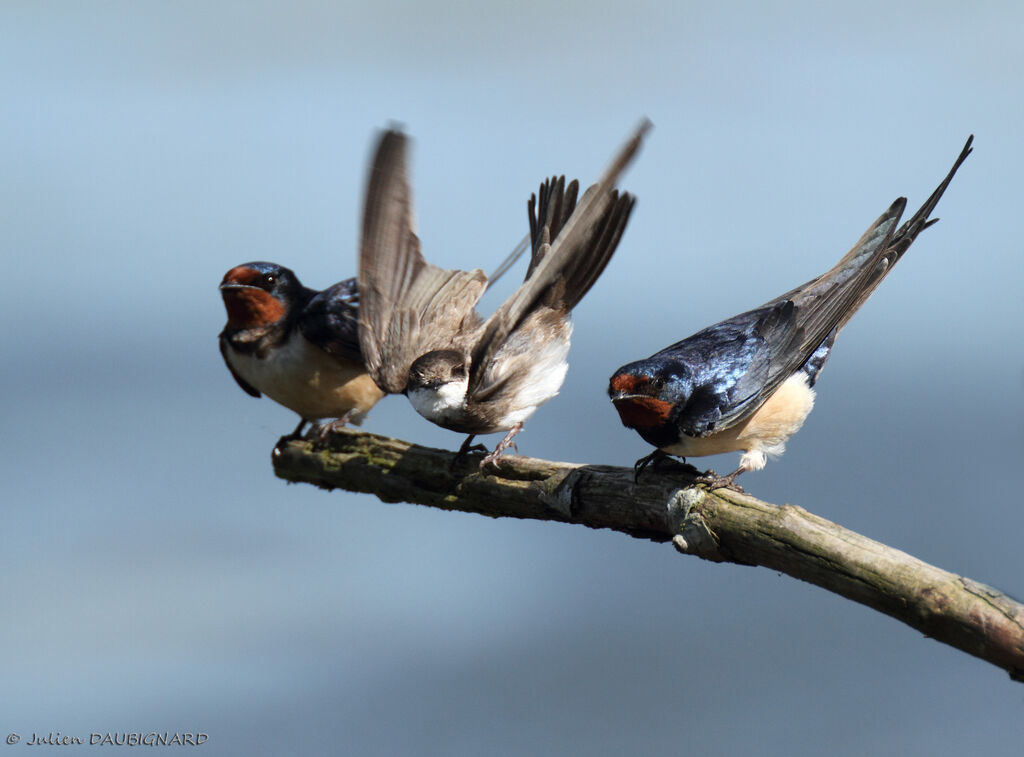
(652, 460)
(332, 427)
(713, 481)
(465, 449)
(504, 444)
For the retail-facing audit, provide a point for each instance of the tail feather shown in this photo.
(920, 221)
(549, 210)
(903, 238)
(582, 271)
(547, 274)
(826, 303)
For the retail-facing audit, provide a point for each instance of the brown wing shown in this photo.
(407, 307)
(580, 250)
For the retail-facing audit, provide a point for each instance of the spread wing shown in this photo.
(408, 307)
(584, 238)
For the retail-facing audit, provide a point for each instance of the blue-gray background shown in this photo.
(156, 576)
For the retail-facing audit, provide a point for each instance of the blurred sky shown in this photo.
(156, 576)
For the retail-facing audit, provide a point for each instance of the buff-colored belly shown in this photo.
(310, 382)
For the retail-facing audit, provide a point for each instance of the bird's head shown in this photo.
(438, 382)
(435, 369)
(259, 294)
(646, 393)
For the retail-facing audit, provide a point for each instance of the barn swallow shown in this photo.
(418, 328)
(300, 346)
(746, 384)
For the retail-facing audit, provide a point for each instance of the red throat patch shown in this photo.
(241, 274)
(626, 383)
(251, 308)
(643, 412)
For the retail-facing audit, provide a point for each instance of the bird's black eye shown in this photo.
(657, 383)
(458, 371)
(269, 279)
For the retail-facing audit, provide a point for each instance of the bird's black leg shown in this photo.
(652, 459)
(503, 445)
(297, 433)
(465, 449)
(714, 481)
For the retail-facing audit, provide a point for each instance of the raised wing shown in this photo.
(408, 307)
(585, 236)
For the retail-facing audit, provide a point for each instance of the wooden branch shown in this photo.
(722, 526)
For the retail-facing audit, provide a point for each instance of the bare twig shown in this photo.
(722, 526)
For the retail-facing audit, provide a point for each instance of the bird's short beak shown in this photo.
(623, 396)
(230, 286)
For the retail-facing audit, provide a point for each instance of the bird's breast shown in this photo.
(444, 404)
(307, 380)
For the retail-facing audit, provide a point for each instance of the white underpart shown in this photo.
(545, 370)
(762, 435)
(756, 459)
(307, 380)
(539, 371)
(447, 403)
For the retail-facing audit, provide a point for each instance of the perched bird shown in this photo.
(745, 384)
(418, 329)
(300, 346)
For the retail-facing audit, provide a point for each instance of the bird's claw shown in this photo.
(461, 455)
(713, 481)
(648, 460)
(504, 444)
(332, 427)
(465, 449)
(491, 459)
